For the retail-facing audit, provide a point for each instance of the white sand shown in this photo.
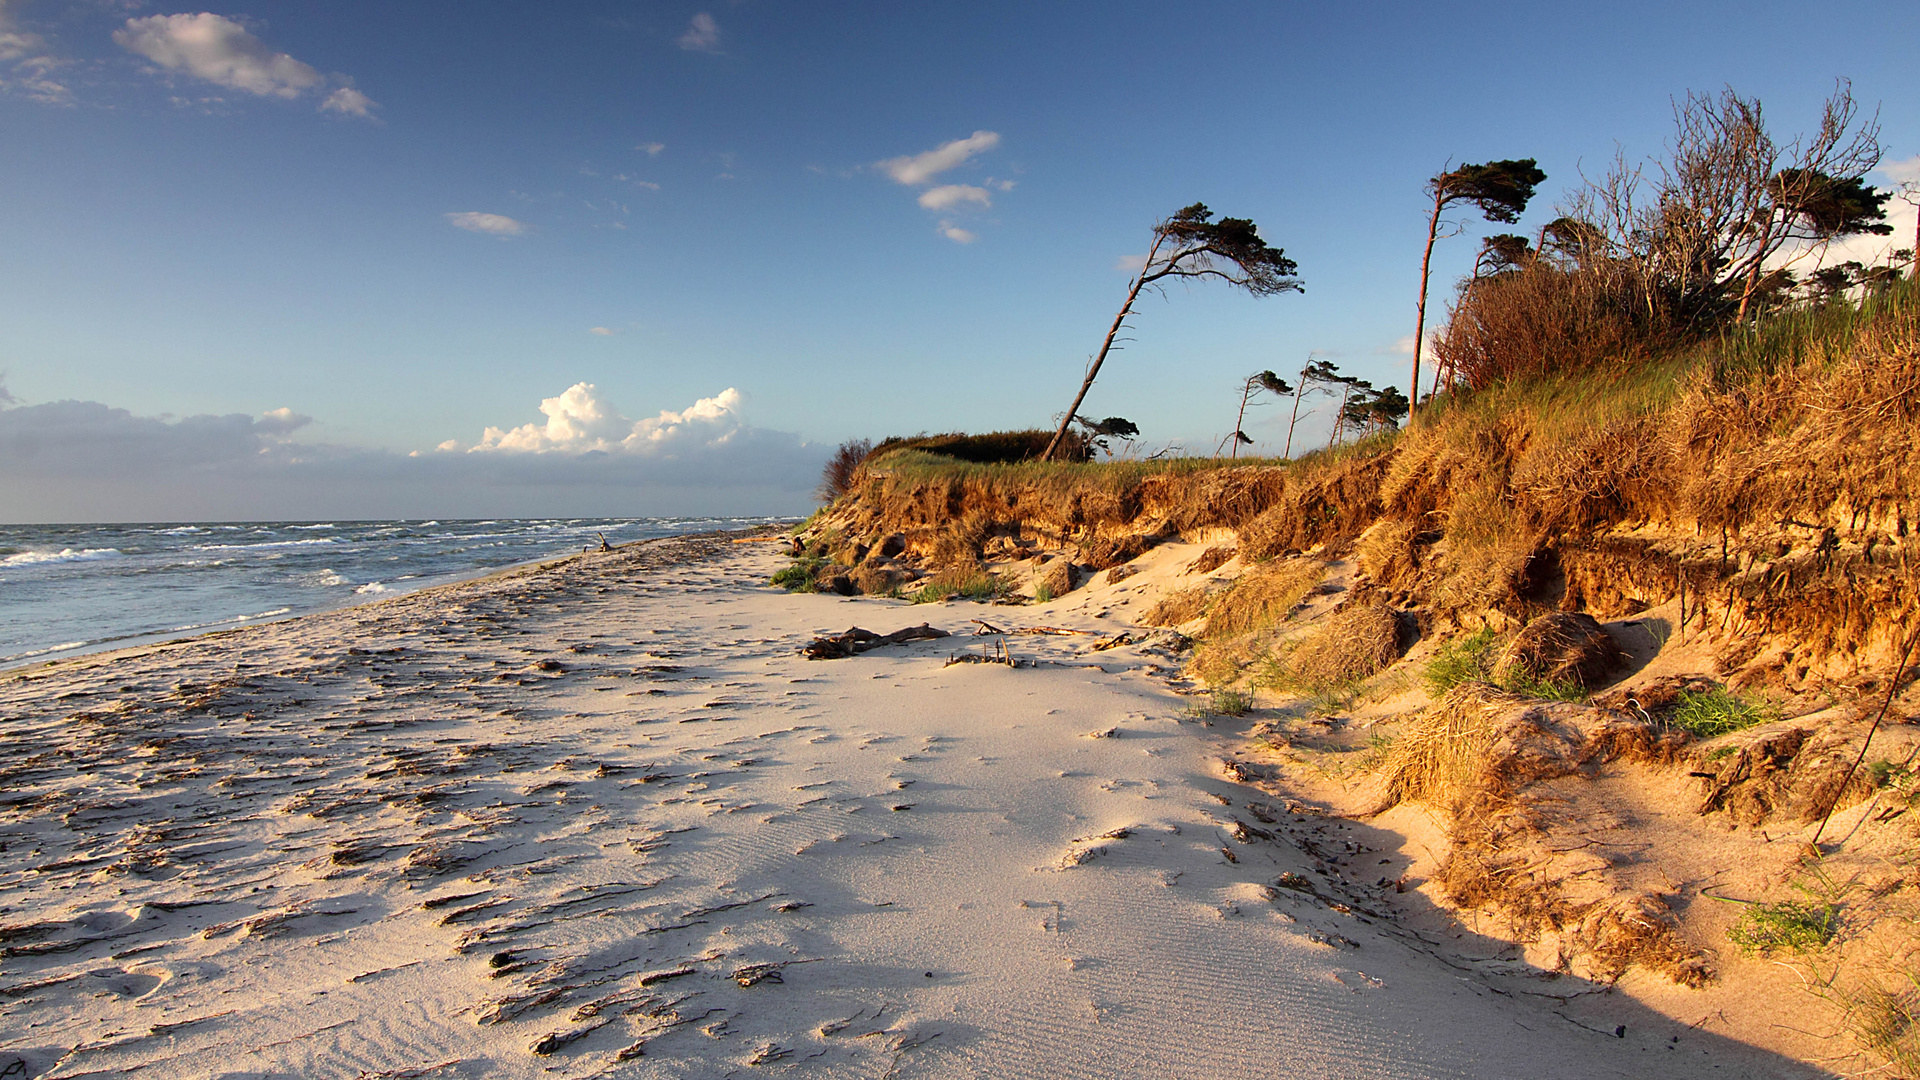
(948, 873)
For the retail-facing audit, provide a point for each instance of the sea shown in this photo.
(69, 589)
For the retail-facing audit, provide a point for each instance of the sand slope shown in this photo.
(599, 818)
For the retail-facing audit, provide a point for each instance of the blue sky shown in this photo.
(259, 207)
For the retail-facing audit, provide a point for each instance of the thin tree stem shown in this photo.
(1420, 317)
(1093, 370)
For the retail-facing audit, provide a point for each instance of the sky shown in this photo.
(343, 259)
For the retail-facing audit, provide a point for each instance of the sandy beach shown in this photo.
(602, 818)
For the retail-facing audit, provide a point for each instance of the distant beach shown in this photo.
(69, 589)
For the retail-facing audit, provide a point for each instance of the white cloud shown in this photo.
(349, 102)
(703, 34)
(948, 196)
(653, 148)
(32, 66)
(1132, 264)
(492, 224)
(600, 330)
(957, 234)
(580, 421)
(218, 50)
(281, 421)
(1902, 172)
(916, 169)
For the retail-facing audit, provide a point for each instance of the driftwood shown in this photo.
(856, 641)
(987, 628)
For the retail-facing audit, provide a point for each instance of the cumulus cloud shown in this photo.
(85, 460)
(948, 196)
(653, 148)
(957, 234)
(916, 169)
(492, 224)
(703, 34)
(215, 49)
(601, 331)
(581, 421)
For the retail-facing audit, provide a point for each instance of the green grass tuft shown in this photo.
(1464, 659)
(798, 577)
(1789, 925)
(1716, 712)
(976, 586)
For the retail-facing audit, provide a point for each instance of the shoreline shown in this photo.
(599, 817)
(175, 637)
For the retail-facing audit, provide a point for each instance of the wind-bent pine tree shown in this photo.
(1501, 189)
(1255, 383)
(1190, 244)
(1318, 377)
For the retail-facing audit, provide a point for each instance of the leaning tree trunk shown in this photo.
(1420, 317)
(1240, 422)
(1133, 292)
(1299, 392)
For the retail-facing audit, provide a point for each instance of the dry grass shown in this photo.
(1441, 758)
(1262, 597)
(1355, 644)
(1176, 608)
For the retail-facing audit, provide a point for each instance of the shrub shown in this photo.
(1543, 320)
(1716, 712)
(837, 476)
(993, 448)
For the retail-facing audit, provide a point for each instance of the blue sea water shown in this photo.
(67, 589)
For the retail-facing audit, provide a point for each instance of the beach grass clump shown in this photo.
(1263, 596)
(1222, 701)
(1545, 689)
(1463, 659)
(963, 584)
(1175, 608)
(1717, 712)
(798, 576)
(1471, 658)
(1353, 646)
(1887, 1024)
(1786, 926)
(1229, 702)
